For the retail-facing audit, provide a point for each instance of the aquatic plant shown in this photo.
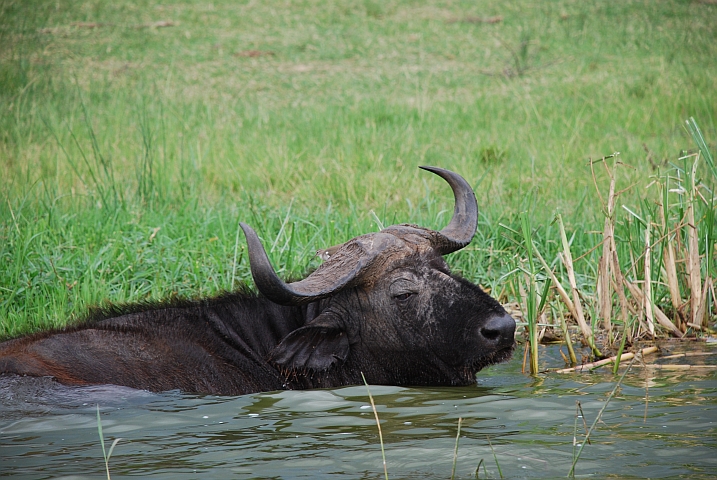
(105, 454)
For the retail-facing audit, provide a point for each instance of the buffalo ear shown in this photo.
(316, 346)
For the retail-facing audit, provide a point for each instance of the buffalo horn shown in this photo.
(459, 232)
(348, 264)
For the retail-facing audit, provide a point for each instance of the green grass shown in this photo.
(111, 132)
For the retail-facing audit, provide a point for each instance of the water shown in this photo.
(50, 431)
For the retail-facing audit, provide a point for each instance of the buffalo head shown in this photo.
(386, 304)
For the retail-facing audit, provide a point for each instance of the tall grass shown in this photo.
(129, 152)
(654, 263)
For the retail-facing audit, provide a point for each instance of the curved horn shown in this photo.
(459, 232)
(346, 265)
(355, 258)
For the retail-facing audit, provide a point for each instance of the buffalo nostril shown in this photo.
(499, 328)
(490, 334)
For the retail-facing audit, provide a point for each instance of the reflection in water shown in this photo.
(49, 431)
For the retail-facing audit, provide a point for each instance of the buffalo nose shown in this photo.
(499, 330)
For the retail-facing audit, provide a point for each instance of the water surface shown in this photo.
(667, 430)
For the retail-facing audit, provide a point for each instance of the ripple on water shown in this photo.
(50, 431)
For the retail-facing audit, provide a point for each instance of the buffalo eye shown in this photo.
(402, 297)
(403, 288)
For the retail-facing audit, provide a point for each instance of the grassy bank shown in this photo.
(134, 136)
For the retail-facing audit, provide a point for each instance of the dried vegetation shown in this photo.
(656, 271)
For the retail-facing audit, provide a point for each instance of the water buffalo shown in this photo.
(383, 304)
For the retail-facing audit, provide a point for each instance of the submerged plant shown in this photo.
(378, 424)
(576, 455)
(105, 454)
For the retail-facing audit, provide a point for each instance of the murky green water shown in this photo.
(49, 431)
